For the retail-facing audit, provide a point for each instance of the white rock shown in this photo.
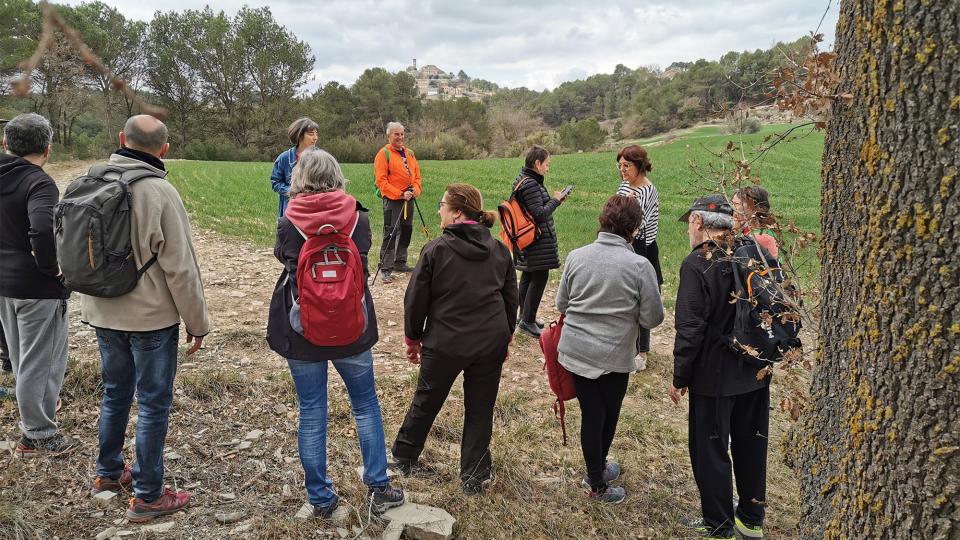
(341, 516)
(230, 517)
(242, 528)
(280, 408)
(107, 533)
(158, 528)
(6, 446)
(419, 522)
(244, 445)
(288, 460)
(172, 456)
(104, 499)
(228, 496)
(254, 435)
(305, 512)
(548, 481)
(343, 533)
(286, 492)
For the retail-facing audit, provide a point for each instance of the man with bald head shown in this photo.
(138, 332)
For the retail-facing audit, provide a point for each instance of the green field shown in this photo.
(236, 199)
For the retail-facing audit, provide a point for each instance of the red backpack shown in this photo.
(329, 309)
(559, 379)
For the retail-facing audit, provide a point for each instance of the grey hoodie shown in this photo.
(607, 293)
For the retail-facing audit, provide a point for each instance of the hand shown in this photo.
(413, 353)
(197, 342)
(407, 195)
(677, 393)
(560, 195)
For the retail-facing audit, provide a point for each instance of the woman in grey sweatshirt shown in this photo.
(607, 293)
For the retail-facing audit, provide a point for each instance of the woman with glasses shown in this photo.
(634, 166)
(459, 312)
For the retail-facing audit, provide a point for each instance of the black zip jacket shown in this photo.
(703, 361)
(542, 254)
(461, 301)
(28, 254)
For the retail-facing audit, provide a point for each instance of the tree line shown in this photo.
(232, 83)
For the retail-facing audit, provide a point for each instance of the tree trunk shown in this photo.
(878, 451)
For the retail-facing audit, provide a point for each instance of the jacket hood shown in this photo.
(13, 170)
(471, 241)
(310, 212)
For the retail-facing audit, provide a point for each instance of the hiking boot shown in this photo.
(168, 503)
(55, 445)
(104, 483)
(700, 526)
(609, 495)
(540, 324)
(383, 498)
(6, 366)
(386, 276)
(611, 471)
(403, 268)
(475, 485)
(403, 466)
(326, 512)
(750, 531)
(531, 329)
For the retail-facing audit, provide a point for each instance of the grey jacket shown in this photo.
(607, 293)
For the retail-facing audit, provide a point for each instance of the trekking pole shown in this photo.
(392, 234)
(423, 224)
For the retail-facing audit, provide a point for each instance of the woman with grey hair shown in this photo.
(303, 134)
(318, 199)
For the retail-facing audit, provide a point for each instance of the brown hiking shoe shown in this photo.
(103, 483)
(55, 445)
(168, 503)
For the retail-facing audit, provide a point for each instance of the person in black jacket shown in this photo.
(317, 199)
(729, 406)
(33, 302)
(459, 312)
(542, 255)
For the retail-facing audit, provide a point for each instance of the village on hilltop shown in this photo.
(434, 83)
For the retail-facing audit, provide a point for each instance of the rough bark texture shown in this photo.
(878, 452)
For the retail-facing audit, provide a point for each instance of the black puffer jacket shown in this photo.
(28, 254)
(542, 254)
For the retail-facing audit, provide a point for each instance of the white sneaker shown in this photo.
(640, 362)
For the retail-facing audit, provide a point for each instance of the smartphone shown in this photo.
(567, 190)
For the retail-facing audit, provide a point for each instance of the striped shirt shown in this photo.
(649, 201)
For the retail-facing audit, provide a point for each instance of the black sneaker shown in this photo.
(531, 329)
(55, 445)
(6, 366)
(383, 498)
(475, 486)
(539, 324)
(403, 268)
(404, 466)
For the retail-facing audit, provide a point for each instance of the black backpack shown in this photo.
(92, 232)
(767, 323)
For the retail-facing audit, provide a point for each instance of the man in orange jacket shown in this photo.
(397, 176)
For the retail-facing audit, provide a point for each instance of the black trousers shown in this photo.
(4, 351)
(741, 423)
(532, 285)
(600, 401)
(481, 382)
(652, 253)
(397, 232)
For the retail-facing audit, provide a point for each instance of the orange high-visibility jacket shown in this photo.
(391, 177)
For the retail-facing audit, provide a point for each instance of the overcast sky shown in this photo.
(534, 43)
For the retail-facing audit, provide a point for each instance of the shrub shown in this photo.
(740, 124)
(583, 135)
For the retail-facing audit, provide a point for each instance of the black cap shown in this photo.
(709, 203)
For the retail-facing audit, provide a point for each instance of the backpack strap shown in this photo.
(353, 227)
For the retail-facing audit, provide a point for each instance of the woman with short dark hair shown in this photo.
(536, 261)
(303, 135)
(634, 164)
(608, 294)
(459, 311)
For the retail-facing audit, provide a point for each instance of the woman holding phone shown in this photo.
(634, 164)
(542, 255)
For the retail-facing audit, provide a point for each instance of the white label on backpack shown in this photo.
(329, 273)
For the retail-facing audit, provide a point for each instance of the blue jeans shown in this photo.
(310, 380)
(145, 363)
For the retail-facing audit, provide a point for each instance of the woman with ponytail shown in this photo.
(460, 310)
